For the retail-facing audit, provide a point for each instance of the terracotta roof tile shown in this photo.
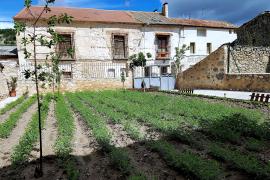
(113, 16)
(82, 15)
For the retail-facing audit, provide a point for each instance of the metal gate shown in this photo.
(164, 83)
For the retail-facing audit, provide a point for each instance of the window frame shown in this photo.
(199, 34)
(209, 49)
(117, 57)
(72, 46)
(165, 55)
(192, 50)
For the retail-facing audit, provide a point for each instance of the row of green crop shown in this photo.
(63, 144)
(10, 123)
(187, 162)
(12, 105)
(119, 157)
(190, 107)
(223, 122)
(244, 162)
(31, 134)
(130, 126)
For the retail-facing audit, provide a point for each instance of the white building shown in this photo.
(106, 36)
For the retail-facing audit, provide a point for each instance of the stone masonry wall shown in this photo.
(245, 59)
(210, 73)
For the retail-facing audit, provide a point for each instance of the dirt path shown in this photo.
(84, 142)
(4, 117)
(49, 136)
(120, 137)
(6, 145)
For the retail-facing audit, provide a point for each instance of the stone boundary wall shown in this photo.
(246, 59)
(210, 73)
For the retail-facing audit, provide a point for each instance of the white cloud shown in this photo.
(4, 25)
(235, 11)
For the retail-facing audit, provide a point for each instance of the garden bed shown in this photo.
(136, 135)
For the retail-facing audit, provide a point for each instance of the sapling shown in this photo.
(33, 38)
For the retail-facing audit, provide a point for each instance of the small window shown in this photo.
(164, 70)
(253, 42)
(147, 71)
(192, 48)
(209, 48)
(64, 46)
(201, 32)
(119, 47)
(111, 73)
(163, 46)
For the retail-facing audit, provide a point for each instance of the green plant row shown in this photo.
(118, 157)
(31, 134)
(244, 162)
(213, 115)
(130, 126)
(63, 144)
(7, 127)
(12, 105)
(187, 162)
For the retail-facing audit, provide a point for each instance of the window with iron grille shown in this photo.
(120, 47)
(65, 46)
(163, 46)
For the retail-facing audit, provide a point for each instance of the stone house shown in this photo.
(104, 39)
(242, 65)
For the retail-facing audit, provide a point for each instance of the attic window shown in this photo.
(119, 47)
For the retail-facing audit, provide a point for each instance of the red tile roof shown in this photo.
(81, 15)
(113, 16)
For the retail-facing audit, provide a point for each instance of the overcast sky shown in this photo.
(234, 11)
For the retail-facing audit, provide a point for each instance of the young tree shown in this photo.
(52, 75)
(179, 56)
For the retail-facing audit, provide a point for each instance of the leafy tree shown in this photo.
(7, 36)
(179, 56)
(50, 73)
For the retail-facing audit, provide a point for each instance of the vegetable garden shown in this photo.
(134, 135)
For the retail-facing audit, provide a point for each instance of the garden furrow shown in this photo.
(84, 143)
(49, 135)
(7, 145)
(4, 116)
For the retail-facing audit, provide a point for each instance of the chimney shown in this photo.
(165, 10)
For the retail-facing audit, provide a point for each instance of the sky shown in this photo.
(234, 11)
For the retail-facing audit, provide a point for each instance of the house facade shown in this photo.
(103, 40)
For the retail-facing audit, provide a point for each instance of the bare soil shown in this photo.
(49, 136)
(7, 145)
